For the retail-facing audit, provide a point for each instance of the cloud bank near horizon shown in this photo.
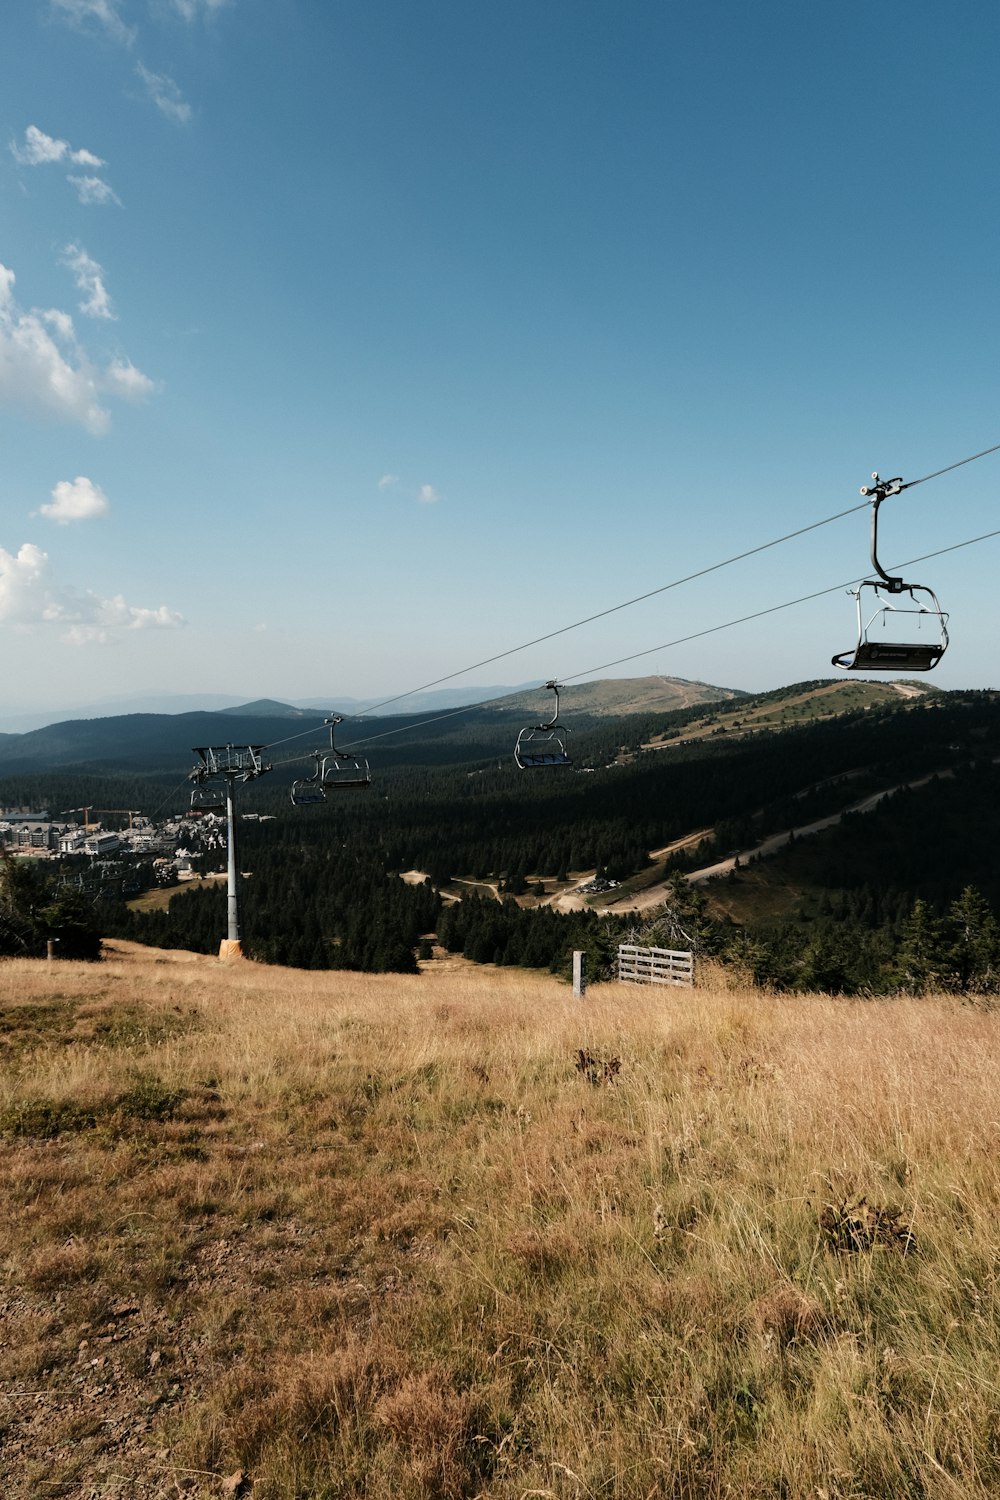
(31, 599)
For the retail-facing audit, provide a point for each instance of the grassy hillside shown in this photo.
(610, 697)
(799, 704)
(459, 1235)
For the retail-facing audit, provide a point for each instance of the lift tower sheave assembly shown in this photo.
(226, 765)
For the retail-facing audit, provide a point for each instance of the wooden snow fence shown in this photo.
(654, 965)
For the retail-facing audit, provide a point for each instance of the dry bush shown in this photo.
(786, 1315)
(433, 1425)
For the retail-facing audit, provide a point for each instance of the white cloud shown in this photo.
(103, 14)
(94, 190)
(43, 368)
(426, 493)
(192, 9)
(60, 321)
(165, 95)
(101, 621)
(38, 372)
(79, 499)
(89, 278)
(23, 588)
(40, 149)
(29, 598)
(123, 379)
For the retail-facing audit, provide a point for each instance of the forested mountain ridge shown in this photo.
(135, 743)
(325, 888)
(149, 742)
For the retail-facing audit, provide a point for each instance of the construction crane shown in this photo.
(129, 812)
(86, 814)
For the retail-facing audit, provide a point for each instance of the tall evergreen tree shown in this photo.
(972, 940)
(920, 960)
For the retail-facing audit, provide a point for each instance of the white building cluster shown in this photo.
(36, 833)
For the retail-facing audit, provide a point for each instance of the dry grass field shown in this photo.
(286, 1235)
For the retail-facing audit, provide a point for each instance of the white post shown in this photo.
(579, 973)
(230, 948)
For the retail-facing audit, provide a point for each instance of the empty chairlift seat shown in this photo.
(208, 797)
(875, 652)
(308, 790)
(878, 647)
(336, 771)
(542, 746)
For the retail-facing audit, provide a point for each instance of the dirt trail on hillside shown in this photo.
(657, 893)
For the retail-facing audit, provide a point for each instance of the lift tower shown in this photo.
(229, 764)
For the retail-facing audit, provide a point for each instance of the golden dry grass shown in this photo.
(370, 1236)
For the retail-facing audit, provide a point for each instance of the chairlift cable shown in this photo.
(639, 599)
(667, 645)
(452, 713)
(947, 470)
(565, 629)
(615, 608)
(664, 588)
(774, 608)
(167, 798)
(587, 620)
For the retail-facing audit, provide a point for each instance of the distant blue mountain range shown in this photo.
(186, 703)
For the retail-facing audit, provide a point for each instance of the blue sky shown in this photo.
(345, 344)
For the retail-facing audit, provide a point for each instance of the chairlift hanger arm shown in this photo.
(556, 688)
(332, 720)
(879, 490)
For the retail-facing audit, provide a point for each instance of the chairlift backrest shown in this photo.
(346, 773)
(533, 752)
(209, 797)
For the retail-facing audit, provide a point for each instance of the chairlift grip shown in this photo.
(884, 487)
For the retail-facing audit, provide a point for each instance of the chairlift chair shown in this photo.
(336, 770)
(308, 790)
(340, 771)
(208, 796)
(873, 652)
(541, 746)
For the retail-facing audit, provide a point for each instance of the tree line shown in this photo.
(325, 892)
